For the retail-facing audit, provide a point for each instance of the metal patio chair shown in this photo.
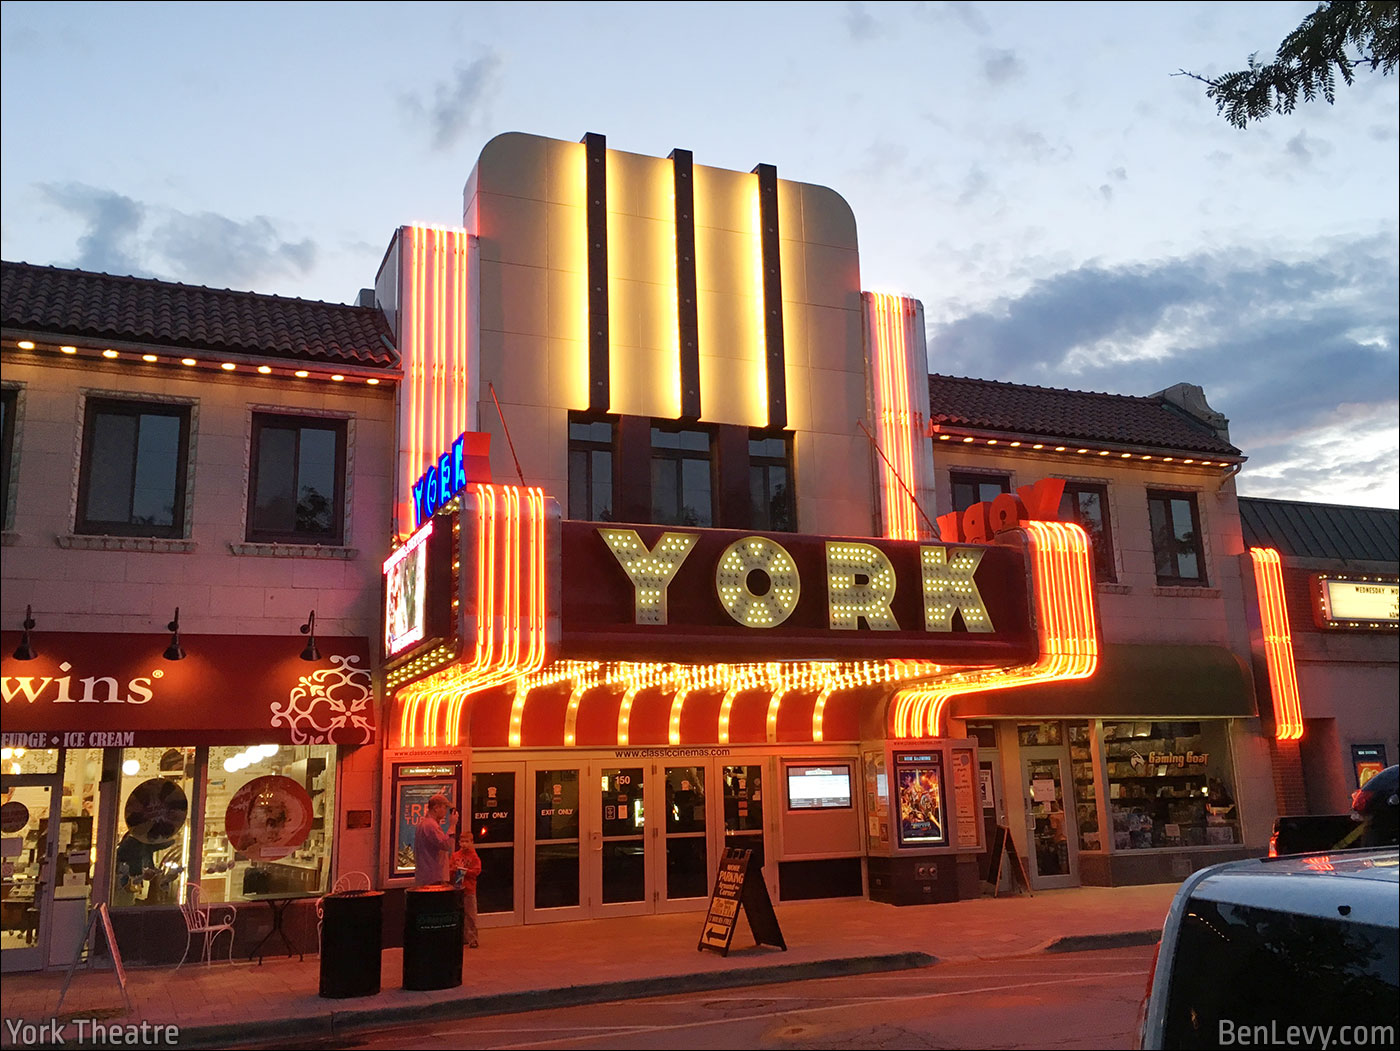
(207, 921)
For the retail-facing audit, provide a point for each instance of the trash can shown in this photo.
(351, 943)
(432, 937)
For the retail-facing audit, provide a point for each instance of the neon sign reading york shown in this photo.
(440, 483)
(860, 581)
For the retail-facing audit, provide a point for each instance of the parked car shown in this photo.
(1308, 832)
(1373, 821)
(1288, 951)
(1377, 803)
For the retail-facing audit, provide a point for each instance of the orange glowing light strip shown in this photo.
(897, 425)
(819, 713)
(673, 730)
(434, 337)
(774, 703)
(431, 709)
(1069, 645)
(1278, 644)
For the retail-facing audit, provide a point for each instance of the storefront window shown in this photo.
(1170, 784)
(151, 861)
(30, 760)
(1081, 766)
(24, 817)
(265, 828)
(78, 823)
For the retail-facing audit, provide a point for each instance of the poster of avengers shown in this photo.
(920, 788)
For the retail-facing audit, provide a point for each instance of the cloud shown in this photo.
(1301, 354)
(459, 103)
(1001, 66)
(113, 220)
(966, 14)
(125, 236)
(860, 23)
(213, 249)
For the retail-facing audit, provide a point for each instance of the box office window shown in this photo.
(297, 487)
(1170, 784)
(1176, 539)
(1087, 505)
(771, 501)
(681, 477)
(134, 468)
(969, 489)
(591, 457)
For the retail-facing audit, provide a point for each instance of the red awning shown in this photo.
(90, 690)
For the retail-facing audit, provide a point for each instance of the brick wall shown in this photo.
(1289, 788)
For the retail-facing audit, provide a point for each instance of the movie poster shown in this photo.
(406, 593)
(411, 807)
(920, 801)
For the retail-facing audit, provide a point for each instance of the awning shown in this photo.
(1185, 682)
(95, 690)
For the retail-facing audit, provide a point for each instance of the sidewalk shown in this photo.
(525, 968)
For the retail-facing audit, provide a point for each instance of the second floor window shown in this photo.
(1176, 538)
(9, 403)
(591, 470)
(134, 462)
(1087, 505)
(297, 487)
(969, 489)
(770, 485)
(680, 477)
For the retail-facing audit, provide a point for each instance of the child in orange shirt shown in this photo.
(466, 867)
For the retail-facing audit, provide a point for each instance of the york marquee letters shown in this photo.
(758, 582)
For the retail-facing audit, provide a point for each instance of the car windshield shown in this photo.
(1243, 975)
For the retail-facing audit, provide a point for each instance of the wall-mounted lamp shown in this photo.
(310, 653)
(25, 650)
(174, 652)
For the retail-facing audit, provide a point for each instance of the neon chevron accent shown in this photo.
(1063, 591)
(1278, 644)
(438, 387)
(509, 612)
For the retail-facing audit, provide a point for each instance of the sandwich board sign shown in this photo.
(737, 883)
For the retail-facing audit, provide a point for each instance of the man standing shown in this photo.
(432, 847)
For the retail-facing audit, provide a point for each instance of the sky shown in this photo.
(1070, 211)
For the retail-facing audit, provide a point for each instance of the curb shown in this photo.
(1116, 940)
(339, 1023)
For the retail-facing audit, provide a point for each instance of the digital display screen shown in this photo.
(819, 787)
(406, 593)
(920, 788)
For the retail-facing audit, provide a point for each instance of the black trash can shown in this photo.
(351, 943)
(432, 937)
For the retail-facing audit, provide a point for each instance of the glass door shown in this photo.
(684, 862)
(26, 816)
(554, 883)
(619, 875)
(743, 811)
(1050, 828)
(498, 823)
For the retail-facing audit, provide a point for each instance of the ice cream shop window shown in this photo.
(265, 827)
(1170, 784)
(154, 799)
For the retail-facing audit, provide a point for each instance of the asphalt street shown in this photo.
(1069, 1000)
